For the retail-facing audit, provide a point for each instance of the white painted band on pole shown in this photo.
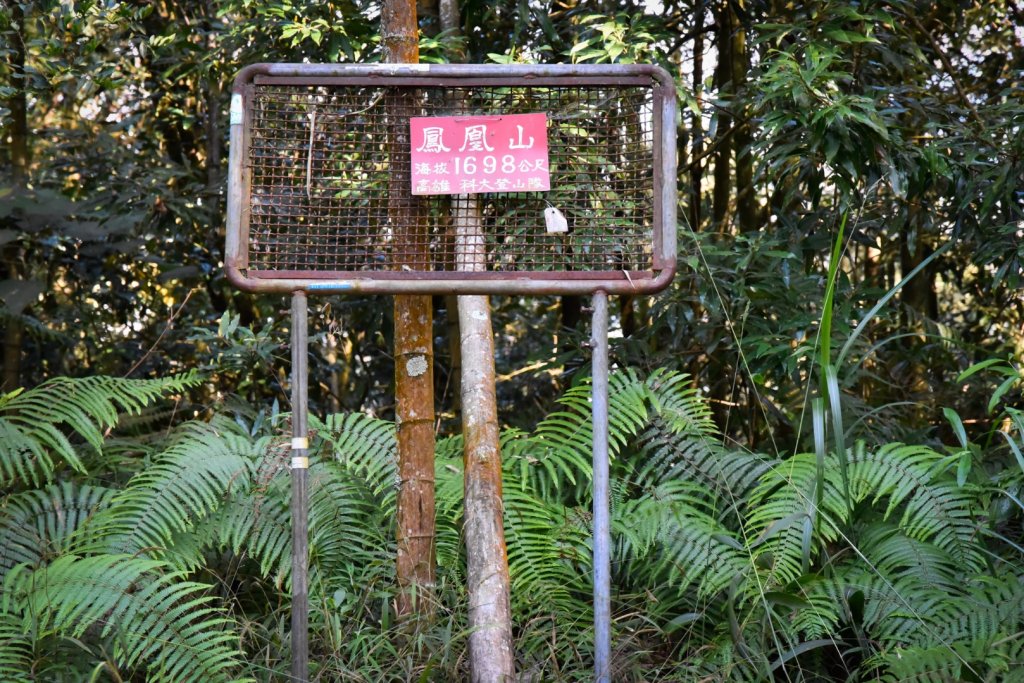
(300, 463)
(300, 443)
(237, 111)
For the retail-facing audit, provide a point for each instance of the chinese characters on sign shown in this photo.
(473, 154)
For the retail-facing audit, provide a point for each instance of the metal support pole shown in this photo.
(300, 494)
(602, 521)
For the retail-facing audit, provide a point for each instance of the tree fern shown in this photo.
(33, 423)
(151, 618)
(733, 566)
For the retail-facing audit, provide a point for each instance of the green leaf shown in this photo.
(957, 425)
(997, 395)
(978, 367)
(963, 468)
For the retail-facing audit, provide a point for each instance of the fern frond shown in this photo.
(448, 487)
(895, 555)
(549, 553)
(33, 422)
(365, 446)
(37, 525)
(15, 649)
(255, 523)
(152, 619)
(786, 524)
(976, 634)
(978, 661)
(346, 522)
(992, 607)
(680, 404)
(669, 538)
(190, 479)
(926, 503)
(826, 608)
(346, 526)
(719, 661)
(728, 476)
(556, 457)
(900, 612)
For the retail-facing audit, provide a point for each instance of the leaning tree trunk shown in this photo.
(414, 355)
(491, 658)
(490, 618)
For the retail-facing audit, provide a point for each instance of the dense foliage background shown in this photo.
(818, 431)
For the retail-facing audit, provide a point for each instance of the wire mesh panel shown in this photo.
(322, 179)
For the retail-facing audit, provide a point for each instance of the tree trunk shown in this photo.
(414, 416)
(450, 16)
(429, 15)
(490, 618)
(697, 123)
(490, 613)
(414, 355)
(746, 204)
(330, 353)
(18, 104)
(571, 313)
(723, 134)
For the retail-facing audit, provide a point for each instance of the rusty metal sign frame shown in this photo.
(657, 275)
(600, 281)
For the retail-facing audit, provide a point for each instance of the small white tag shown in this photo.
(555, 221)
(300, 463)
(237, 109)
(300, 443)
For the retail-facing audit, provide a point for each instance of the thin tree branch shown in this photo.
(948, 66)
(690, 35)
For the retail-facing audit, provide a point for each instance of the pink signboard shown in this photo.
(473, 154)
